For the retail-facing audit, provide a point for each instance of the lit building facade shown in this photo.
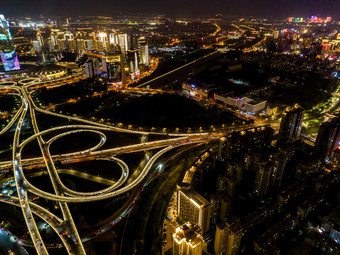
(113, 65)
(187, 240)
(7, 51)
(194, 208)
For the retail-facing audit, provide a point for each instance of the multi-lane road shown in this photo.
(65, 226)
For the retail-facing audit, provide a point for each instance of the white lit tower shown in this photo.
(123, 43)
(143, 51)
(103, 39)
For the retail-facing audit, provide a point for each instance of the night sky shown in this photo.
(275, 8)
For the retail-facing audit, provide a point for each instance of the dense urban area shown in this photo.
(148, 134)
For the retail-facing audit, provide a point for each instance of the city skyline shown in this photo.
(151, 134)
(191, 8)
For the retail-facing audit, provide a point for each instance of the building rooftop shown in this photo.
(47, 69)
(188, 233)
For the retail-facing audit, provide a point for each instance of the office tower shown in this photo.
(89, 70)
(144, 54)
(133, 42)
(113, 65)
(262, 178)
(96, 66)
(194, 208)
(132, 56)
(228, 238)
(113, 38)
(291, 123)
(143, 51)
(92, 68)
(123, 42)
(53, 41)
(187, 240)
(103, 39)
(254, 139)
(328, 138)
(7, 51)
(40, 39)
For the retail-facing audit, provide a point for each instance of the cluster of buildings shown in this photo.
(257, 163)
(7, 50)
(312, 19)
(244, 152)
(116, 53)
(241, 103)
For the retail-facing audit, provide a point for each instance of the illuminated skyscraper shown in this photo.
(144, 51)
(113, 65)
(53, 40)
(132, 56)
(40, 39)
(194, 208)
(187, 240)
(113, 38)
(123, 42)
(103, 39)
(7, 51)
(291, 124)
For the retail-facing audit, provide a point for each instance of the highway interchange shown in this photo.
(65, 226)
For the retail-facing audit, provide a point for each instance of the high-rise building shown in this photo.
(291, 124)
(113, 38)
(187, 240)
(194, 208)
(53, 41)
(103, 39)
(40, 39)
(133, 63)
(89, 70)
(279, 160)
(134, 42)
(143, 51)
(262, 178)
(328, 138)
(113, 65)
(7, 51)
(228, 237)
(123, 42)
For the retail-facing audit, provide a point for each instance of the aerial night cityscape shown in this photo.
(170, 127)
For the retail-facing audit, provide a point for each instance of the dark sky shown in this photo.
(282, 8)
